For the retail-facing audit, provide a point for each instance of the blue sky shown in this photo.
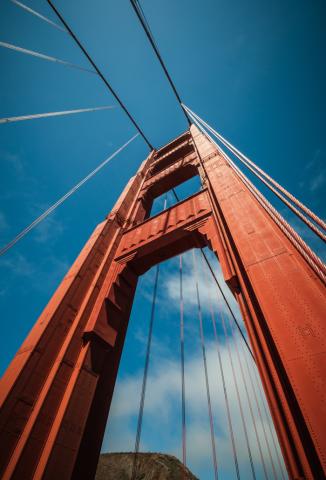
(255, 70)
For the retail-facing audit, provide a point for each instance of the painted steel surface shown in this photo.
(56, 393)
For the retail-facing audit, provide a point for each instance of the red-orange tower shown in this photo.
(56, 393)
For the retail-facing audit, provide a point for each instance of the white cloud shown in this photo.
(17, 265)
(15, 162)
(161, 413)
(317, 181)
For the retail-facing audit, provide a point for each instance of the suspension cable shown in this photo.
(312, 259)
(237, 392)
(222, 293)
(145, 375)
(297, 212)
(182, 361)
(53, 114)
(44, 57)
(268, 419)
(235, 343)
(226, 399)
(202, 341)
(106, 82)
(37, 14)
(260, 414)
(62, 199)
(265, 178)
(141, 17)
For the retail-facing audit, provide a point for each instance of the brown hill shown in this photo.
(151, 466)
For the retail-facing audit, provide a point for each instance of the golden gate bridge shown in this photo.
(57, 392)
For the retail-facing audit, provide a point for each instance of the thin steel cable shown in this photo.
(222, 293)
(202, 342)
(52, 114)
(226, 398)
(268, 419)
(62, 199)
(143, 391)
(44, 57)
(237, 393)
(259, 413)
(141, 17)
(42, 17)
(146, 366)
(235, 343)
(244, 159)
(98, 71)
(182, 362)
(312, 259)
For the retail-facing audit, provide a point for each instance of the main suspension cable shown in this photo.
(141, 17)
(268, 181)
(63, 198)
(53, 114)
(44, 57)
(37, 14)
(98, 71)
(312, 259)
(202, 341)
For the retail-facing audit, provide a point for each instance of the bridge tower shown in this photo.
(57, 391)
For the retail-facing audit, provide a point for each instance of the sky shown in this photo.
(255, 70)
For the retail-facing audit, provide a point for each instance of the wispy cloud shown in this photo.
(162, 429)
(17, 265)
(14, 161)
(317, 181)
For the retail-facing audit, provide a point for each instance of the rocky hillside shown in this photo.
(151, 466)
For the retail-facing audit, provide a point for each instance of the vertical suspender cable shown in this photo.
(143, 390)
(222, 293)
(182, 360)
(147, 357)
(202, 341)
(234, 450)
(259, 413)
(268, 419)
(237, 392)
(235, 343)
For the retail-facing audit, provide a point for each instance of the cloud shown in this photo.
(17, 265)
(317, 181)
(207, 286)
(15, 162)
(161, 429)
(48, 230)
(161, 426)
